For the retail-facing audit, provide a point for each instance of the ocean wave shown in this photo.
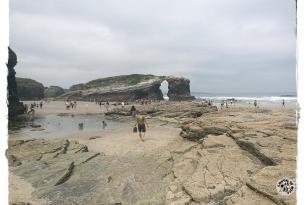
(250, 99)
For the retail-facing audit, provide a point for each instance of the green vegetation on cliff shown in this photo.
(29, 89)
(27, 82)
(127, 80)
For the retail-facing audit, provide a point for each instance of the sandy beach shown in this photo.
(166, 168)
(152, 102)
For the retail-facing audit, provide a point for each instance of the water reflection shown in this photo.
(55, 125)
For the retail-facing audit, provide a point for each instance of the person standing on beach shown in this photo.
(283, 103)
(26, 108)
(32, 109)
(104, 124)
(255, 103)
(67, 105)
(133, 111)
(107, 105)
(142, 125)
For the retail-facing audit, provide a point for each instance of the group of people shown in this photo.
(31, 109)
(71, 104)
(144, 102)
(206, 103)
(225, 104)
(256, 105)
(107, 104)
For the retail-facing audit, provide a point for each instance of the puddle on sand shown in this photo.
(54, 125)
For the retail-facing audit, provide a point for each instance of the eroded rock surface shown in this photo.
(130, 88)
(232, 157)
(235, 161)
(179, 89)
(66, 172)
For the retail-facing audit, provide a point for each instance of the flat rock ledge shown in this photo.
(233, 161)
(66, 172)
(225, 158)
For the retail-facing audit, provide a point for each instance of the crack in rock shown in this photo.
(66, 175)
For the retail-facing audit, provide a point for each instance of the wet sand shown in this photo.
(114, 141)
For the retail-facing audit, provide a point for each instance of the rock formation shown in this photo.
(232, 157)
(236, 156)
(66, 172)
(130, 88)
(14, 106)
(29, 89)
(80, 86)
(178, 89)
(53, 91)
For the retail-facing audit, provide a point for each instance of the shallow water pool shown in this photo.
(59, 125)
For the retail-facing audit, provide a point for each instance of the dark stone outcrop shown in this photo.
(130, 88)
(53, 91)
(15, 107)
(29, 89)
(179, 89)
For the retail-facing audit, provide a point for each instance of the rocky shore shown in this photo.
(193, 154)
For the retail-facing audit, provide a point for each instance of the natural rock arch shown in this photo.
(130, 88)
(164, 89)
(179, 89)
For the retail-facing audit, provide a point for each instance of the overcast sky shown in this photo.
(220, 45)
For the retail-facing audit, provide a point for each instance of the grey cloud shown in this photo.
(222, 46)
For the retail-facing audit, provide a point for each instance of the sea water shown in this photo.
(264, 100)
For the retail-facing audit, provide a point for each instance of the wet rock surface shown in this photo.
(66, 172)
